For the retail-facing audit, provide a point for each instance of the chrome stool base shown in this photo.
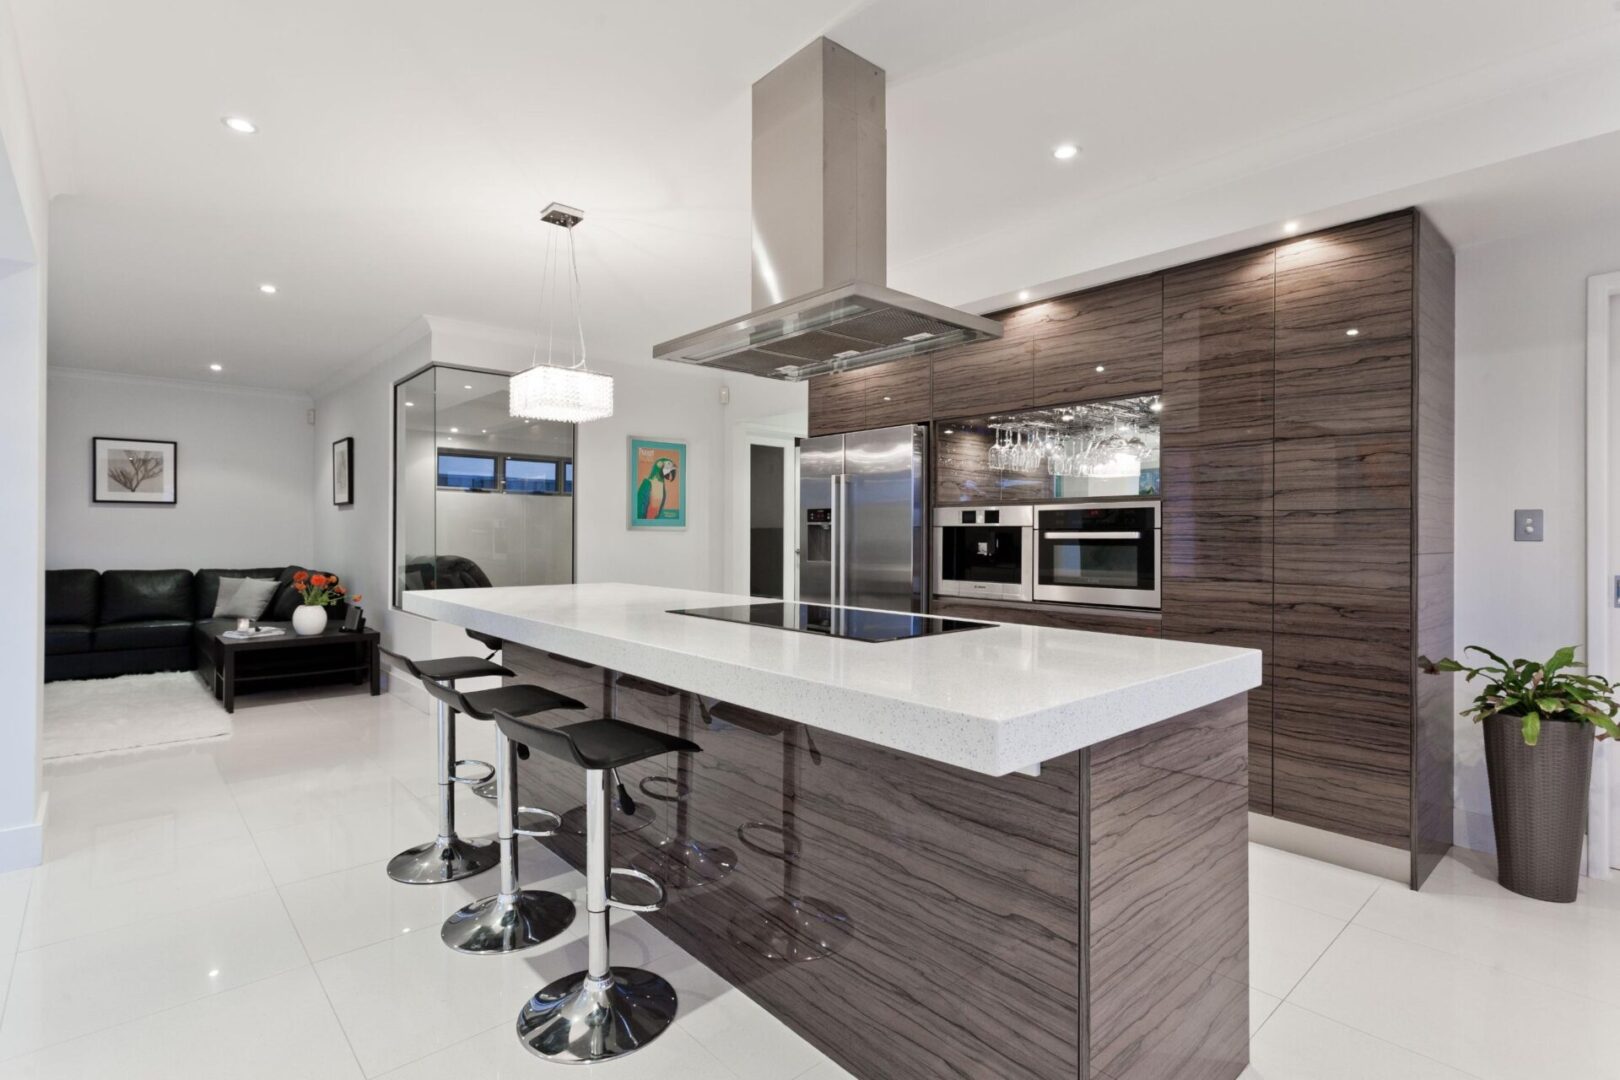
(439, 861)
(572, 1022)
(687, 864)
(496, 925)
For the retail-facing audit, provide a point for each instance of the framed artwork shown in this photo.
(343, 472)
(657, 484)
(133, 471)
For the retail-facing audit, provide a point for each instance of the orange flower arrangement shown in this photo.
(321, 590)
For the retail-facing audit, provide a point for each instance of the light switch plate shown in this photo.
(1527, 526)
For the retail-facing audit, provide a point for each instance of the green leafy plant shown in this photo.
(1537, 692)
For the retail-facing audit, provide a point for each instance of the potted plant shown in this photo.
(1540, 720)
(319, 591)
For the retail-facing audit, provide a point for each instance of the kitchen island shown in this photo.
(1009, 851)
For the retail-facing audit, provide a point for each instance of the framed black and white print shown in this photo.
(133, 471)
(343, 472)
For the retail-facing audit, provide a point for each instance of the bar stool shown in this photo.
(602, 1012)
(514, 918)
(448, 857)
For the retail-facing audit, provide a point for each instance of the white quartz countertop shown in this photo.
(998, 700)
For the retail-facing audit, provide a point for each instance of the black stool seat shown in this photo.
(460, 667)
(519, 699)
(489, 641)
(595, 744)
(450, 667)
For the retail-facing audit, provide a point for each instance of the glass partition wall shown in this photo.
(480, 497)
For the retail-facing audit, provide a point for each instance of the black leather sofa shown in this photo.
(125, 622)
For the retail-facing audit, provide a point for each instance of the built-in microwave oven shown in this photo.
(984, 551)
(1103, 553)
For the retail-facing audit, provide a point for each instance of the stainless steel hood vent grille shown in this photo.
(850, 326)
(819, 174)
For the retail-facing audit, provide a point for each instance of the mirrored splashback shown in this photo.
(481, 497)
(1085, 451)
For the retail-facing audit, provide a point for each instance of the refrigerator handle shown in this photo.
(839, 506)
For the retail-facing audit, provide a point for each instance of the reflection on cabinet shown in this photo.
(882, 395)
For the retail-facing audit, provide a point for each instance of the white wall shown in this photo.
(23, 256)
(1521, 443)
(242, 476)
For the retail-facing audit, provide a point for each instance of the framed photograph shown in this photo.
(133, 471)
(657, 484)
(343, 472)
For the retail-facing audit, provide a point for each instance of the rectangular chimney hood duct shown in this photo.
(820, 176)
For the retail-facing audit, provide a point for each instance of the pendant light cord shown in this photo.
(579, 314)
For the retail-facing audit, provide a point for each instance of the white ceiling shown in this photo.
(406, 146)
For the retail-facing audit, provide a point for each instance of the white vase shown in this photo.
(309, 619)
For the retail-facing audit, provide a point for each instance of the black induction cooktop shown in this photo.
(853, 623)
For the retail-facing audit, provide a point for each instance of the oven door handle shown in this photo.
(1091, 536)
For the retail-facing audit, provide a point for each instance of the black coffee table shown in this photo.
(223, 664)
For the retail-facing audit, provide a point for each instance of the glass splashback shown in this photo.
(1083, 451)
(480, 497)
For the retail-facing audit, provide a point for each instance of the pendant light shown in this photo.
(571, 393)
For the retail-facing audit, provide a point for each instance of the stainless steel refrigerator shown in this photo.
(863, 518)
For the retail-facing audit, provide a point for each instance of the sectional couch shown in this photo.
(124, 622)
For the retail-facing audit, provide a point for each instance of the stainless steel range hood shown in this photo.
(820, 175)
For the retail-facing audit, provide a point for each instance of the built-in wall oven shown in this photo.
(1103, 553)
(984, 551)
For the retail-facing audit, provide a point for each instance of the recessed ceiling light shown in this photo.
(239, 124)
(466, 386)
(1290, 227)
(887, 398)
(409, 404)
(455, 431)
(1101, 368)
(1352, 332)
(1157, 406)
(214, 974)
(483, 431)
(216, 367)
(950, 431)
(1023, 294)
(1065, 151)
(268, 289)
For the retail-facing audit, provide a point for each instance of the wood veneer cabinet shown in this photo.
(1307, 469)
(879, 396)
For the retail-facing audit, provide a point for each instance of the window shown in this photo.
(524, 475)
(472, 472)
(505, 472)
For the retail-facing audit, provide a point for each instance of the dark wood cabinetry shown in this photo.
(883, 395)
(1102, 621)
(1306, 465)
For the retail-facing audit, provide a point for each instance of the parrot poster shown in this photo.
(657, 484)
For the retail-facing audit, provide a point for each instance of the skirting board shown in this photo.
(23, 846)
(1347, 851)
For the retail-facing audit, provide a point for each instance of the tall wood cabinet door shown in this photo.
(898, 392)
(1344, 331)
(1099, 344)
(838, 403)
(1343, 666)
(1216, 467)
(987, 376)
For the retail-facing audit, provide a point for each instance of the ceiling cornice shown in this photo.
(63, 371)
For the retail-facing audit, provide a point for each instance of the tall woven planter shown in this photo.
(1538, 804)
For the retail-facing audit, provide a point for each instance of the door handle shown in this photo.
(1091, 536)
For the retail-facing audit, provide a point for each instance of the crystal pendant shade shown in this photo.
(572, 395)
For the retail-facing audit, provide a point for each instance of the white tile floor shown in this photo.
(221, 911)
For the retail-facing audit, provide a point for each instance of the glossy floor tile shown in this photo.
(221, 910)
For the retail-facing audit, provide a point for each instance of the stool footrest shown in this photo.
(456, 777)
(538, 834)
(625, 871)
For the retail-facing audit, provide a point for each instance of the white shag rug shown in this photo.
(91, 717)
